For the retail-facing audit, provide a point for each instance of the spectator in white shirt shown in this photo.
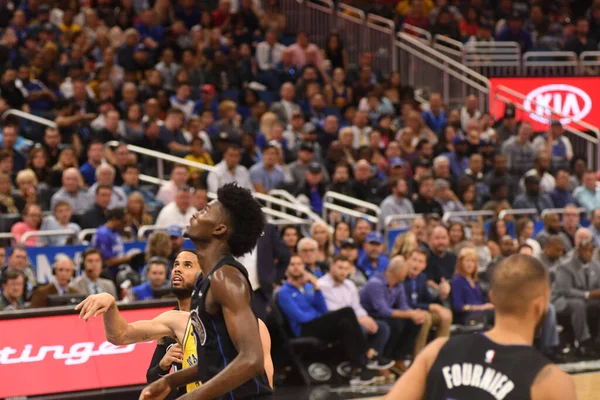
(361, 129)
(179, 177)
(268, 53)
(179, 211)
(340, 292)
(105, 175)
(229, 170)
(469, 111)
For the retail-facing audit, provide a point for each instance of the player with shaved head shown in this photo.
(500, 364)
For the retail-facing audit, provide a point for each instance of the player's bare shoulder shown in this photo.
(551, 383)
(229, 280)
(176, 321)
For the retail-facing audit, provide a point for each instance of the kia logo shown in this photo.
(567, 100)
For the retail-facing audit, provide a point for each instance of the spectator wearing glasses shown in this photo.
(308, 251)
(90, 282)
(11, 297)
(576, 291)
(63, 270)
(32, 218)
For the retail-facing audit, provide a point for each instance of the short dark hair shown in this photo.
(15, 248)
(131, 166)
(418, 250)
(340, 257)
(189, 251)
(11, 274)
(178, 166)
(425, 178)
(115, 213)
(61, 203)
(88, 252)
(93, 142)
(245, 217)
(103, 186)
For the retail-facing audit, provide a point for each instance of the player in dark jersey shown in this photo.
(500, 364)
(227, 332)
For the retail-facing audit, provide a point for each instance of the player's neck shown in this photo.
(511, 331)
(209, 253)
(184, 304)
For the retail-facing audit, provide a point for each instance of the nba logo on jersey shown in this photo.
(489, 356)
(198, 328)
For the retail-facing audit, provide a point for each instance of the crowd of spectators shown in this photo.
(224, 84)
(535, 25)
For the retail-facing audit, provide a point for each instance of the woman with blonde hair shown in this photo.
(27, 192)
(229, 120)
(159, 245)
(320, 232)
(136, 213)
(267, 121)
(467, 297)
(7, 202)
(404, 244)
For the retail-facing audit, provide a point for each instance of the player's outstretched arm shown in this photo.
(230, 289)
(411, 385)
(118, 331)
(553, 384)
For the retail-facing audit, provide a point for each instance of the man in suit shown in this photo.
(285, 108)
(90, 282)
(576, 291)
(270, 260)
(63, 271)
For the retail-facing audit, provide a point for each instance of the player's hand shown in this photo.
(174, 355)
(156, 390)
(94, 305)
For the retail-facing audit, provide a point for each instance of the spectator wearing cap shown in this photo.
(297, 169)
(435, 118)
(312, 188)
(168, 190)
(532, 198)
(108, 240)
(175, 233)
(373, 260)
(514, 32)
(105, 175)
(396, 203)
(156, 275)
(208, 101)
(349, 249)
(425, 202)
(588, 195)
(540, 171)
(179, 211)
(556, 145)
(229, 170)
(459, 160)
(507, 127)
(267, 175)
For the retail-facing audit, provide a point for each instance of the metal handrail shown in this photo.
(152, 180)
(7, 235)
(293, 206)
(284, 218)
(466, 75)
(522, 211)
(284, 194)
(351, 212)
(453, 214)
(426, 35)
(30, 117)
(387, 224)
(352, 200)
(448, 45)
(560, 211)
(349, 11)
(145, 228)
(57, 232)
(322, 3)
(86, 232)
(373, 19)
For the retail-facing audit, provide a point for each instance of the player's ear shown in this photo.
(220, 230)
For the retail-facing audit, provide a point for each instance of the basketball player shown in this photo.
(227, 332)
(500, 364)
(171, 324)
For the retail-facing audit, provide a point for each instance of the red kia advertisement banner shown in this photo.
(578, 99)
(64, 354)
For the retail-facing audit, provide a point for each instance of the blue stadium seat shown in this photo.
(392, 235)
(267, 96)
(287, 40)
(538, 226)
(230, 95)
